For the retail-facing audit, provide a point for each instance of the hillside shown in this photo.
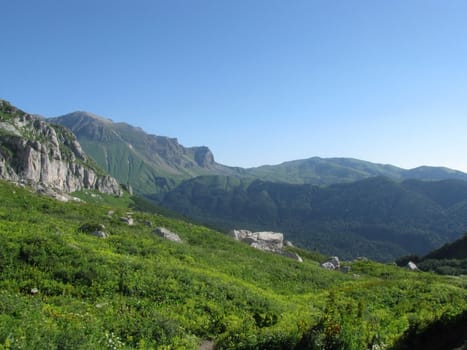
(62, 287)
(365, 217)
(377, 217)
(450, 259)
(454, 250)
(150, 164)
(327, 171)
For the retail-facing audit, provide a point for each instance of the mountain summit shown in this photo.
(151, 164)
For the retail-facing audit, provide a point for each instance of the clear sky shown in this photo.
(258, 81)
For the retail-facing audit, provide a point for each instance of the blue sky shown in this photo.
(258, 81)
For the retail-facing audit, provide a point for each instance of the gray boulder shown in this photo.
(332, 264)
(99, 234)
(265, 240)
(165, 233)
(128, 220)
(411, 266)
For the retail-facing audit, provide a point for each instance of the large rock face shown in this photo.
(37, 152)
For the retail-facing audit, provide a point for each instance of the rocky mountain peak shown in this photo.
(151, 164)
(39, 153)
(203, 157)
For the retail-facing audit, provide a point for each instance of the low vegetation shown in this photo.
(450, 259)
(63, 288)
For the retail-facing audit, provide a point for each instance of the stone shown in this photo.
(167, 234)
(332, 264)
(270, 240)
(99, 234)
(91, 227)
(34, 291)
(128, 220)
(267, 241)
(346, 269)
(411, 266)
(327, 265)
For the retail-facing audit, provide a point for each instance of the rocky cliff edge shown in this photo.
(46, 155)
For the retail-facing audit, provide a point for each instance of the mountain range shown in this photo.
(156, 164)
(150, 164)
(338, 206)
(109, 270)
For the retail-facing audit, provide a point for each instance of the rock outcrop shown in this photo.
(332, 264)
(167, 234)
(412, 266)
(127, 220)
(38, 153)
(96, 230)
(265, 241)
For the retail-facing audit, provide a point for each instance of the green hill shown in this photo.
(377, 217)
(63, 288)
(150, 164)
(327, 171)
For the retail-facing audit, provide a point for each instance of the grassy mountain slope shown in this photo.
(323, 171)
(376, 217)
(151, 164)
(63, 288)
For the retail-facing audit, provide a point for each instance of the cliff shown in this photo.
(151, 164)
(46, 155)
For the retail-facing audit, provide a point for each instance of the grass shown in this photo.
(61, 288)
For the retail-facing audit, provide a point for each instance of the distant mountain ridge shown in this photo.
(151, 164)
(154, 165)
(327, 171)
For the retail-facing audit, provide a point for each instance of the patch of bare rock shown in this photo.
(167, 234)
(266, 241)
